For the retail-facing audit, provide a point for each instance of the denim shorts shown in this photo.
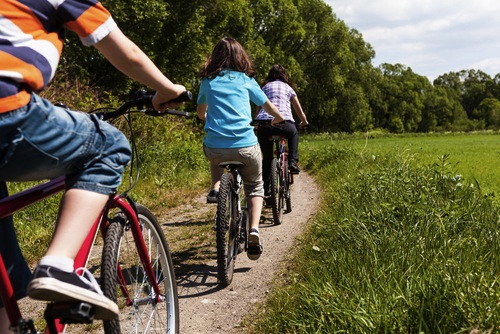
(251, 172)
(41, 141)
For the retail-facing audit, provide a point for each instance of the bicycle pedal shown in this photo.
(255, 249)
(71, 312)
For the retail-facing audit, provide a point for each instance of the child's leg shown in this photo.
(19, 272)
(254, 211)
(216, 173)
(4, 322)
(78, 211)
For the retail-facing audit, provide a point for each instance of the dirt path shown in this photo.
(204, 307)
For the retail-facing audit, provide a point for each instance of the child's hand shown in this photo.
(279, 119)
(163, 100)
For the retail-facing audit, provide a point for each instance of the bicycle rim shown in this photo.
(276, 193)
(287, 192)
(140, 313)
(226, 230)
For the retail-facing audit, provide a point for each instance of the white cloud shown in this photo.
(431, 37)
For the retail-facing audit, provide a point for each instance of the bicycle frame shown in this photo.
(281, 154)
(16, 202)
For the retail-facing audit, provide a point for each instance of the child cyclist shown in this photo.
(41, 141)
(279, 89)
(226, 90)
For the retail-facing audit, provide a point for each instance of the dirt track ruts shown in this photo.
(205, 308)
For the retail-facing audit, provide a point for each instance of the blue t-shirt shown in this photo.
(229, 113)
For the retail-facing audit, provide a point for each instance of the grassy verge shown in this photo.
(398, 247)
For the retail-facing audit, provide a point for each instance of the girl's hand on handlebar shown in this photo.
(162, 101)
(278, 120)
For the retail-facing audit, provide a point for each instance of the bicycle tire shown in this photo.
(286, 190)
(142, 314)
(226, 229)
(276, 192)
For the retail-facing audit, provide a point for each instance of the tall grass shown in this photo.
(397, 248)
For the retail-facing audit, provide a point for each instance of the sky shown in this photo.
(432, 37)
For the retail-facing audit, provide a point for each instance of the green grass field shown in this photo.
(476, 156)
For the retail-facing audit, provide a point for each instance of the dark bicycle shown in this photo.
(280, 178)
(231, 221)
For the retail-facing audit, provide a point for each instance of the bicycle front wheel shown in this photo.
(226, 230)
(276, 192)
(140, 310)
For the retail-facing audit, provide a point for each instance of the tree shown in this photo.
(404, 92)
(489, 111)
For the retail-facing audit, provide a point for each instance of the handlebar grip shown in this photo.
(265, 123)
(152, 112)
(184, 97)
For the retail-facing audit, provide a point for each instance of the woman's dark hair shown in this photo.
(278, 72)
(227, 54)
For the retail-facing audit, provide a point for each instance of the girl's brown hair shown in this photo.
(278, 72)
(227, 54)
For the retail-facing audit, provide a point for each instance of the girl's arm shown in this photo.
(298, 109)
(201, 109)
(273, 111)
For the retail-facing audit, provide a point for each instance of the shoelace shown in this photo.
(87, 277)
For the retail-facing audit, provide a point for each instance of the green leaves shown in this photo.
(330, 63)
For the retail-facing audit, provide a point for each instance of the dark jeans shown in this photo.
(289, 131)
(17, 268)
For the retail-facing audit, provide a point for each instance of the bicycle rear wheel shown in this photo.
(276, 192)
(226, 230)
(286, 190)
(139, 312)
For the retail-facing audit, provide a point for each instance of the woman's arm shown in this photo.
(298, 110)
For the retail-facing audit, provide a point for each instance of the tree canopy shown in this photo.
(329, 62)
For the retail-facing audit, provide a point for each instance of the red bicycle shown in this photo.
(136, 268)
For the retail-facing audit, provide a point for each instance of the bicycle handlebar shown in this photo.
(265, 122)
(144, 104)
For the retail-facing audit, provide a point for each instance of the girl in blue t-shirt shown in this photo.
(227, 87)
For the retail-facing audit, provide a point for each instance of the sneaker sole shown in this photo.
(254, 247)
(50, 289)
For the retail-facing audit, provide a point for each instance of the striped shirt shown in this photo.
(31, 41)
(280, 94)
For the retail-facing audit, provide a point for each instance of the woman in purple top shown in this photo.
(279, 89)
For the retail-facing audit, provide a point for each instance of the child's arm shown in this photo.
(127, 57)
(273, 111)
(201, 109)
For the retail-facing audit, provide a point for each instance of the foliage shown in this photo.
(329, 62)
(397, 248)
